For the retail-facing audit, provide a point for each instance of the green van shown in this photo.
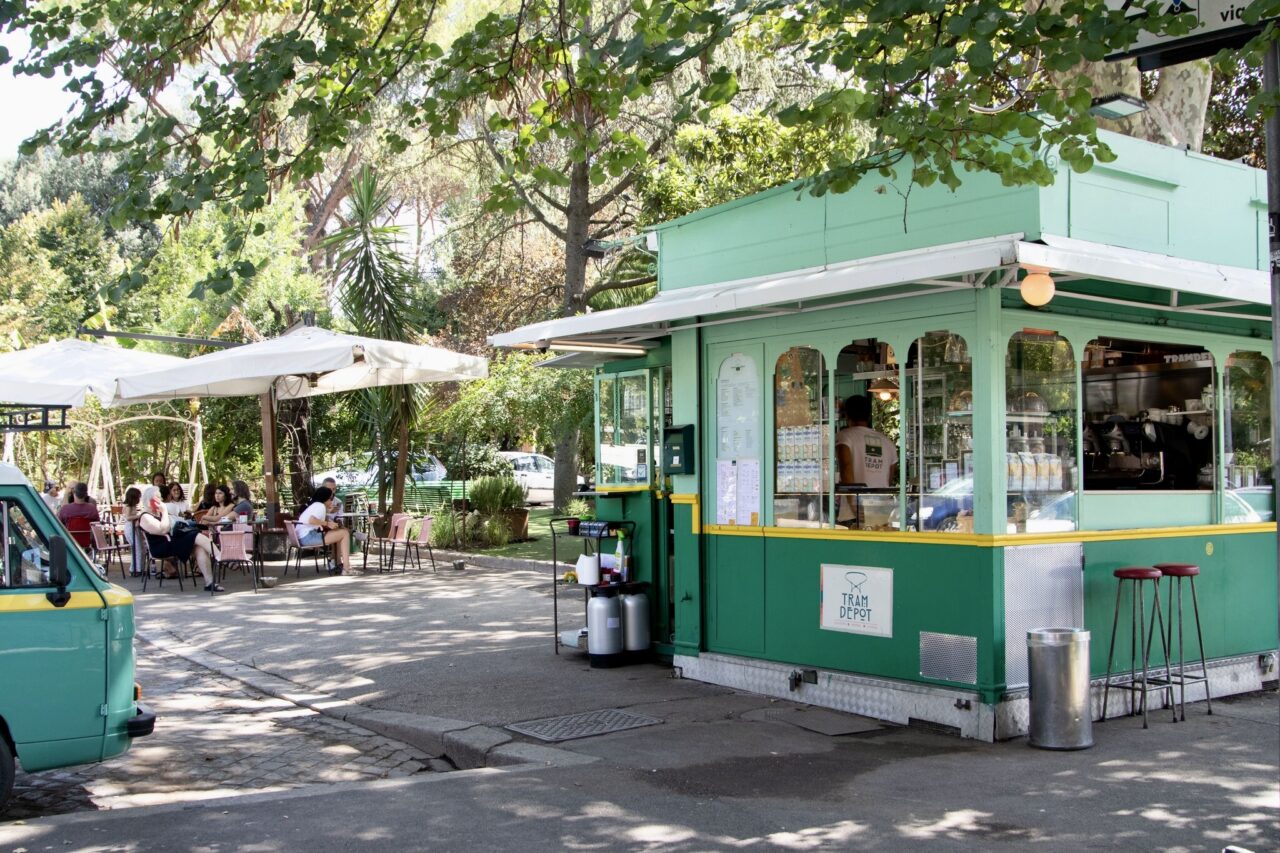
(67, 694)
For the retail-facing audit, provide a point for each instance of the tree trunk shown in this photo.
(1176, 110)
(295, 419)
(402, 465)
(577, 221)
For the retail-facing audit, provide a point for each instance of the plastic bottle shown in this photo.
(620, 557)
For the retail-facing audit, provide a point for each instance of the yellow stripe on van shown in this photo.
(31, 602)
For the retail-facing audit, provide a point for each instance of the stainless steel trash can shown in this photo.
(1058, 663)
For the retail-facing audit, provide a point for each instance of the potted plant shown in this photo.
(502, 498)
(515, 508)
(577, 511)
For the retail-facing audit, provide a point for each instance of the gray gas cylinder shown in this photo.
(635, 621)
(604, 626)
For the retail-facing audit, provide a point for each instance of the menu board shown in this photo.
(738, 442)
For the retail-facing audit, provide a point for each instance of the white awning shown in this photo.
(972, 263)
(63, 373)
(303, 363)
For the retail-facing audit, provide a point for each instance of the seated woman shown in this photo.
(132, 511)
(243, 499)
(223, 508)
(314, 528)
(181, 543)
(176, 501)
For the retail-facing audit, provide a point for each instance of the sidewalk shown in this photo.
(723, 770)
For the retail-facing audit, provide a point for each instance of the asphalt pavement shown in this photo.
(721, 770)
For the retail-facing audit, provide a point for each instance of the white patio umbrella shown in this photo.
(302, 363)
(63, 373)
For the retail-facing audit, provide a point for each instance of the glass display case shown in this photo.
(802, 439)
(1246, 464)
(1040, 432)
(938, 401)
(623, 429)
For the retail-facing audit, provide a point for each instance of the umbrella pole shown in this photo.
(269, 468)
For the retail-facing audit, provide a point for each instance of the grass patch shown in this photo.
(538, 547)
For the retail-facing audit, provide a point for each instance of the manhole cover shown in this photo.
(588, 724)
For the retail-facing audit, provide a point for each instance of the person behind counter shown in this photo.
(866, 457)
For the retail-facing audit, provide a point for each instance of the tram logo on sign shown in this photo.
(857, 600)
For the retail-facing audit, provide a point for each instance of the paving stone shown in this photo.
(214, 733)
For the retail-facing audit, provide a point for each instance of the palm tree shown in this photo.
(375, 287)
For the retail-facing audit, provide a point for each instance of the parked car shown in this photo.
(942, 506)
(362, 474)
(537, 473)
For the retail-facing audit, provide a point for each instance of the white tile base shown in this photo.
(903, 701)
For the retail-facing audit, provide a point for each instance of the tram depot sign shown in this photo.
(857, 600)
(1218, 24)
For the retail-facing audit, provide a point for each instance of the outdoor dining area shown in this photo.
(157, 532)
(209, 546)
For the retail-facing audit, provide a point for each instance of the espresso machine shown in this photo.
(1121, 453)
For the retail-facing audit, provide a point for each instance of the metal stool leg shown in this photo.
(1157, 617)
(1141, 631)
(1111, 651)
(1204, 665)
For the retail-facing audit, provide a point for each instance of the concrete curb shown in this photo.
(467, 745)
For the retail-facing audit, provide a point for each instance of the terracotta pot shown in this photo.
(517, 522)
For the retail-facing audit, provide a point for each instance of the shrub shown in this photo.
(491, 495)
(444, 530)
(580, 508)
(495, 532)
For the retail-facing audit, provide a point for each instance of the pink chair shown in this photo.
(397, 534)
(424, 538)
(296, 547)
(233, 550)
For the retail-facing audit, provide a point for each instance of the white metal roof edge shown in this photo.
(905, 267)
(1131, 266)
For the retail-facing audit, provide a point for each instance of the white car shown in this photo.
(537, 473)
(430, 471)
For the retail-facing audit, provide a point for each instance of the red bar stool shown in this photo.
(1176, 572)
(1137, 577)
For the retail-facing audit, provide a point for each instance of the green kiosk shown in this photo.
(1034, 385)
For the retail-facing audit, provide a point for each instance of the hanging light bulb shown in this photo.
(884, 389)
(1037, 287)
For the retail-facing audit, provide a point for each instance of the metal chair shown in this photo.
(297, 548)
(397, 533)
(414, 546)
(149, 561)
(104, 543)
(233, 550)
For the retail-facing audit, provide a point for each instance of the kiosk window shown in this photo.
(1246, 468)
(1040, 432)
(938, 402)
(623, 419)
(1148, 422)
(26, 553)
(866, 466)
(802, 438)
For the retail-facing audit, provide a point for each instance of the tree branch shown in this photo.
(621, 284)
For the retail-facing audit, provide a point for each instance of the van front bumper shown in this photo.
(142, 724)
